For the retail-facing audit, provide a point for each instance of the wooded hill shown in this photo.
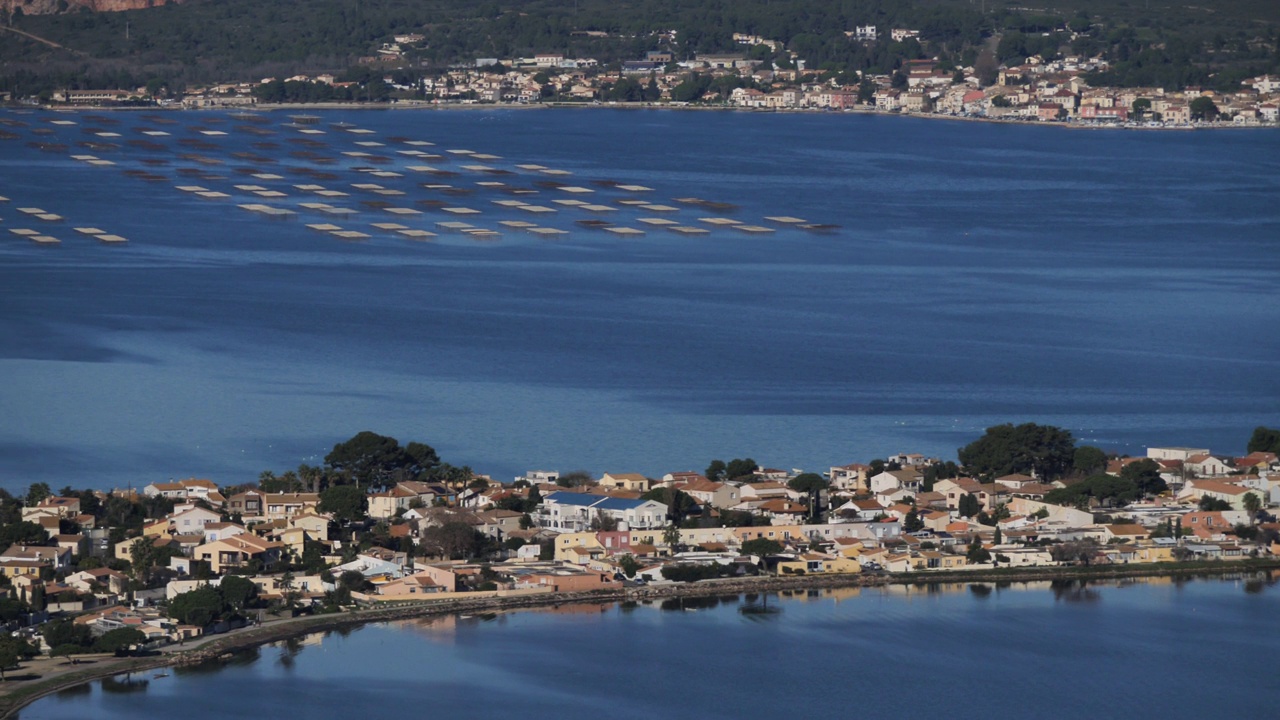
(1151, 42)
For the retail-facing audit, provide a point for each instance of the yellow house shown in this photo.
(156, 528)
(934, 560)
(18, 568)
(581, 555)
(567, 542)
(315, 523)
(819, 564)
(634, 482)
(848, 547)
(1155, 554)
(237, 550)
(124, 547)
(294, 540)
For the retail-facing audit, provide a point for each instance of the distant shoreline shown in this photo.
(14, 698)
(460, 107)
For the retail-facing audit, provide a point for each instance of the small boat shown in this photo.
(161, 674)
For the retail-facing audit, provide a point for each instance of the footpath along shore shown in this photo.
(51, 676)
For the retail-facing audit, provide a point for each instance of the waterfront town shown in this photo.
(1054, 90)
(384, 525)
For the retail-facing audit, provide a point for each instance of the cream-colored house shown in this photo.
(315, 523)
(385, 505)
(1220, 490)
(236, 551)
(634, 482)
(281, 506)
(819, 564)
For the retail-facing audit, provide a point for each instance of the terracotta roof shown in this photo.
(1128, 529)
(1219, 486)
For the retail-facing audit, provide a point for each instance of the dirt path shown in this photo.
(41, 40)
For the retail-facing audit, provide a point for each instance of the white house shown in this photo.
(891, 480)
(192, 520)
(1175, 453)
(1205, 465)
(575, 512)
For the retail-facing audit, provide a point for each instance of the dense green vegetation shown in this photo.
(1047, 451)
(208, 604)
(1151, 43)
(1264, 439)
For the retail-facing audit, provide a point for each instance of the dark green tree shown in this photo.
(1209, 503)
(575, 478)
(1005, 449)
(120, 641)
(12, 651)
(1203, 108)
(66, 632)
(423, 459)
(1252, 503)
(761, 547)
(37, 492)
(369, 458)
(455, 540)
(679, 503)
(1088, 460)
(1265, 439)
(199, 607)
(808, 483)
(1105, 489)
(912, 522)
(630, 566)
(22, 533)
(977, 554)
(715, 471)
(1145, 474)
(969, 505)
(740, 469)
(346, 502)
(237, 591)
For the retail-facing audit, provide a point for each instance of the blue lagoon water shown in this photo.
(1121, 284)
(1151, 649)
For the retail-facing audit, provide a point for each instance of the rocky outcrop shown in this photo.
(52, 7)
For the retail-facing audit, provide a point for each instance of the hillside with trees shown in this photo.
(204, 41)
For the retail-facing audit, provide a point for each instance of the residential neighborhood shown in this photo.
(178, 559)
(1036, 89)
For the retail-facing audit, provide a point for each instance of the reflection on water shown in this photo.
(758, 608)
(579, 662)
(289, 650)
(124, 684)
(1074, 591)
(708, 602)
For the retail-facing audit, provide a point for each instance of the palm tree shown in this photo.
(310, 475)
(1252, 504)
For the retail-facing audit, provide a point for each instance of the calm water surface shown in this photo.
(957, 651)
(1120, 284)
